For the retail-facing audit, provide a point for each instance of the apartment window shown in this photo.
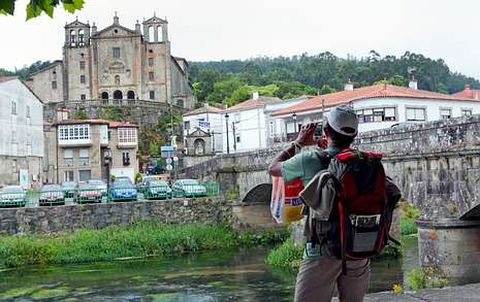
(416, 114)
(83, 96)
(68, 157)
(116, 52)
(84, 175)
(27, 110)
(382, 114)
(73, 132)
(68, 176)
(152, 94)
(126, 158)
(186, 125)
(127, 135)
(237, 138)
(54, 84)
(83, 158)
(14, 108)
(150, 61)
(82, 79)
(151, 76)
(82, 65)
(54, 75)
(445, 113)
(466, 112)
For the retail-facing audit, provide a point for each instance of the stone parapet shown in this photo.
(70, 217)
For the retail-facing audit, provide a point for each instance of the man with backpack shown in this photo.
(348, 205)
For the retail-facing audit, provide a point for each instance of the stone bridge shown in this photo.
(436, 165)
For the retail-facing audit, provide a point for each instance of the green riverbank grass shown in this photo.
(137, 240)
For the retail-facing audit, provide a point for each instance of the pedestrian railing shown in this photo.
(69, 196)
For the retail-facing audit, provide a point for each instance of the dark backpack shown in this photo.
(360, 220)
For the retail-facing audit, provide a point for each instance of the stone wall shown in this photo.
(142, 113)
(436, 164)
(66, 218)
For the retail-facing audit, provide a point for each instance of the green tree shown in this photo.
(36, 7)
(326, 89)
(80, 114)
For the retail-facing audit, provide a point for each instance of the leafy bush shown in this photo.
(139, 240)
(286, 255)
(428, 277)
(408, 215)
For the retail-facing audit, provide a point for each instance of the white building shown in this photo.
(247, 124)
(21, 134)
(276, 129)
(209, 120)
(380, 106)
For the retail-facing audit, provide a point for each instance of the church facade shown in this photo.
(116, 65)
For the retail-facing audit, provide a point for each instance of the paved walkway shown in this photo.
(464, 293)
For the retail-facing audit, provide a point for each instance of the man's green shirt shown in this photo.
(305, 165)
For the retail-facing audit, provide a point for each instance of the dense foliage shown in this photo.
(25, 71)
(137, 240)
(233, 81)
(36, 7)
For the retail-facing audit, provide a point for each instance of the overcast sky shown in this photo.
(227, 29)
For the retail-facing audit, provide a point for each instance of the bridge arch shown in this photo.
(261, 193)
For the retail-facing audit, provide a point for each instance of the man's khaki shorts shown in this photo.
(318, 278)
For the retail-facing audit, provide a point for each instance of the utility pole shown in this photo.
(226, 124)
(234, 137)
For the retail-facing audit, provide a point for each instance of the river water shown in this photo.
(214, 276)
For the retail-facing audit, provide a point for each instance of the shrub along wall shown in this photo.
(66, 218)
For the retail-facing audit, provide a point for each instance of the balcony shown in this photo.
(75, 142)
(68, 162)
(84, 161)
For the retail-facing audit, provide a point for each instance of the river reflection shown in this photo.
(213, 276)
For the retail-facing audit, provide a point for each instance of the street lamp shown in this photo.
(107, 160)
(294, 116)
(226, 124)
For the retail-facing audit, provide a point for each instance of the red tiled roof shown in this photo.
(111, 124)
(253, 103)
(468, 93)
(374, 91)
(6, 79)
(204, 109)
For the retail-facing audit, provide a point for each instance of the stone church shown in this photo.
(116, 65)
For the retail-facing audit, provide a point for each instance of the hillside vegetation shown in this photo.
(230, 82)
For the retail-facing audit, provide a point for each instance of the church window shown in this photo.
(116, 52)
(180, 103)
(54, 84)
(150, 50)
(130, 95)
(117, 95)
(81, 38)
(54, 75)
(104, 95)
(151, 76)
(82, 65)
(115, 31)
(82, 79)
(150, 61)
(83, 96)
(73, 38)
(152, 94)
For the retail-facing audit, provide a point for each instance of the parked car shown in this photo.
(69, 189)
(51, 195)
(122, 189)
(188, 188)
(145, 179)
(157, 189)
(88, 193)
(99, 184)
(155, 170)
(13, 196)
